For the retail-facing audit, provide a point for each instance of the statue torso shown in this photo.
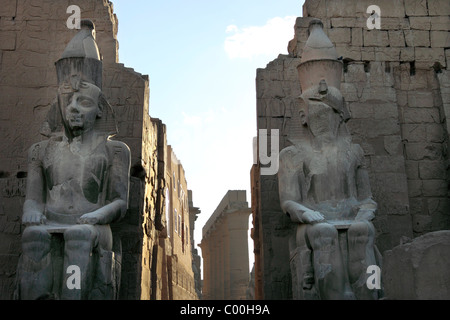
(75, 179)
(327, 176)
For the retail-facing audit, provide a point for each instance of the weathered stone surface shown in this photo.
(417, 38)
(375, 38)
(429, 56)
(421, 115)
(420, 23)
(416, 7)
(438, 7)
(400, 23)
(396, 38)
(435, 188)
(432, 170)
(419, 269)
(357, 37)
(8, 42)
(8, 9)
(440, 22)
(440, 39)
(387, 54)
(423, 151)
(340, 35)
(414, 132)
(420, 99)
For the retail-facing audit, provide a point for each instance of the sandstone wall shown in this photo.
(180, 256)
(396, 85)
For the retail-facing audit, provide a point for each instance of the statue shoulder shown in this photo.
(117, 145)
(298, 150)
(118, 149)
(41, 144)
(292, 156)
(288, 153)
(37, 150)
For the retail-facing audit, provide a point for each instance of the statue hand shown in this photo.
(312, 217)
(90, 218)
(33, 218)
(365, 214)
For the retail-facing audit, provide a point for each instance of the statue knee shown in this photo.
(36, 242)
(322, 234)
(76, 236)
(35, 233)
(361, 232)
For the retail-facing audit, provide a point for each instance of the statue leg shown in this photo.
(327, 260)
(80, 242)
(304, 249)
(36, 276)
(361, 255)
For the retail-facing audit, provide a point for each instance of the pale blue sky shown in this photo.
(201, 57)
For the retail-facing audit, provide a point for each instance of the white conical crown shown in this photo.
(81, 60)
(83, 45)
(319, 60)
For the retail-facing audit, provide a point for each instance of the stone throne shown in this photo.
(324, 186)
(77, 185)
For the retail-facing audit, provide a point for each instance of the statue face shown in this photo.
(322, 119)
(82, 108)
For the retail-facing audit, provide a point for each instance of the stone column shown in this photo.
(227, 285)
(206, 252)
(238, 251)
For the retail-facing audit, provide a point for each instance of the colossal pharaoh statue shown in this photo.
(77, 185)
(324, 186)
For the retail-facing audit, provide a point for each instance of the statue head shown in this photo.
(80, 108)
(81, 105)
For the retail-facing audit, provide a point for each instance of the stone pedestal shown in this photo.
(420, 269)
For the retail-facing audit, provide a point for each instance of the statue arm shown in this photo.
(34, 206)
(290, 192)
(117, 190)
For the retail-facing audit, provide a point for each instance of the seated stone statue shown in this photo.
(77, 185)
(324, 186)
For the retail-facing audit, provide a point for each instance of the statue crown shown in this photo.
(319, 60)
(81, 59)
